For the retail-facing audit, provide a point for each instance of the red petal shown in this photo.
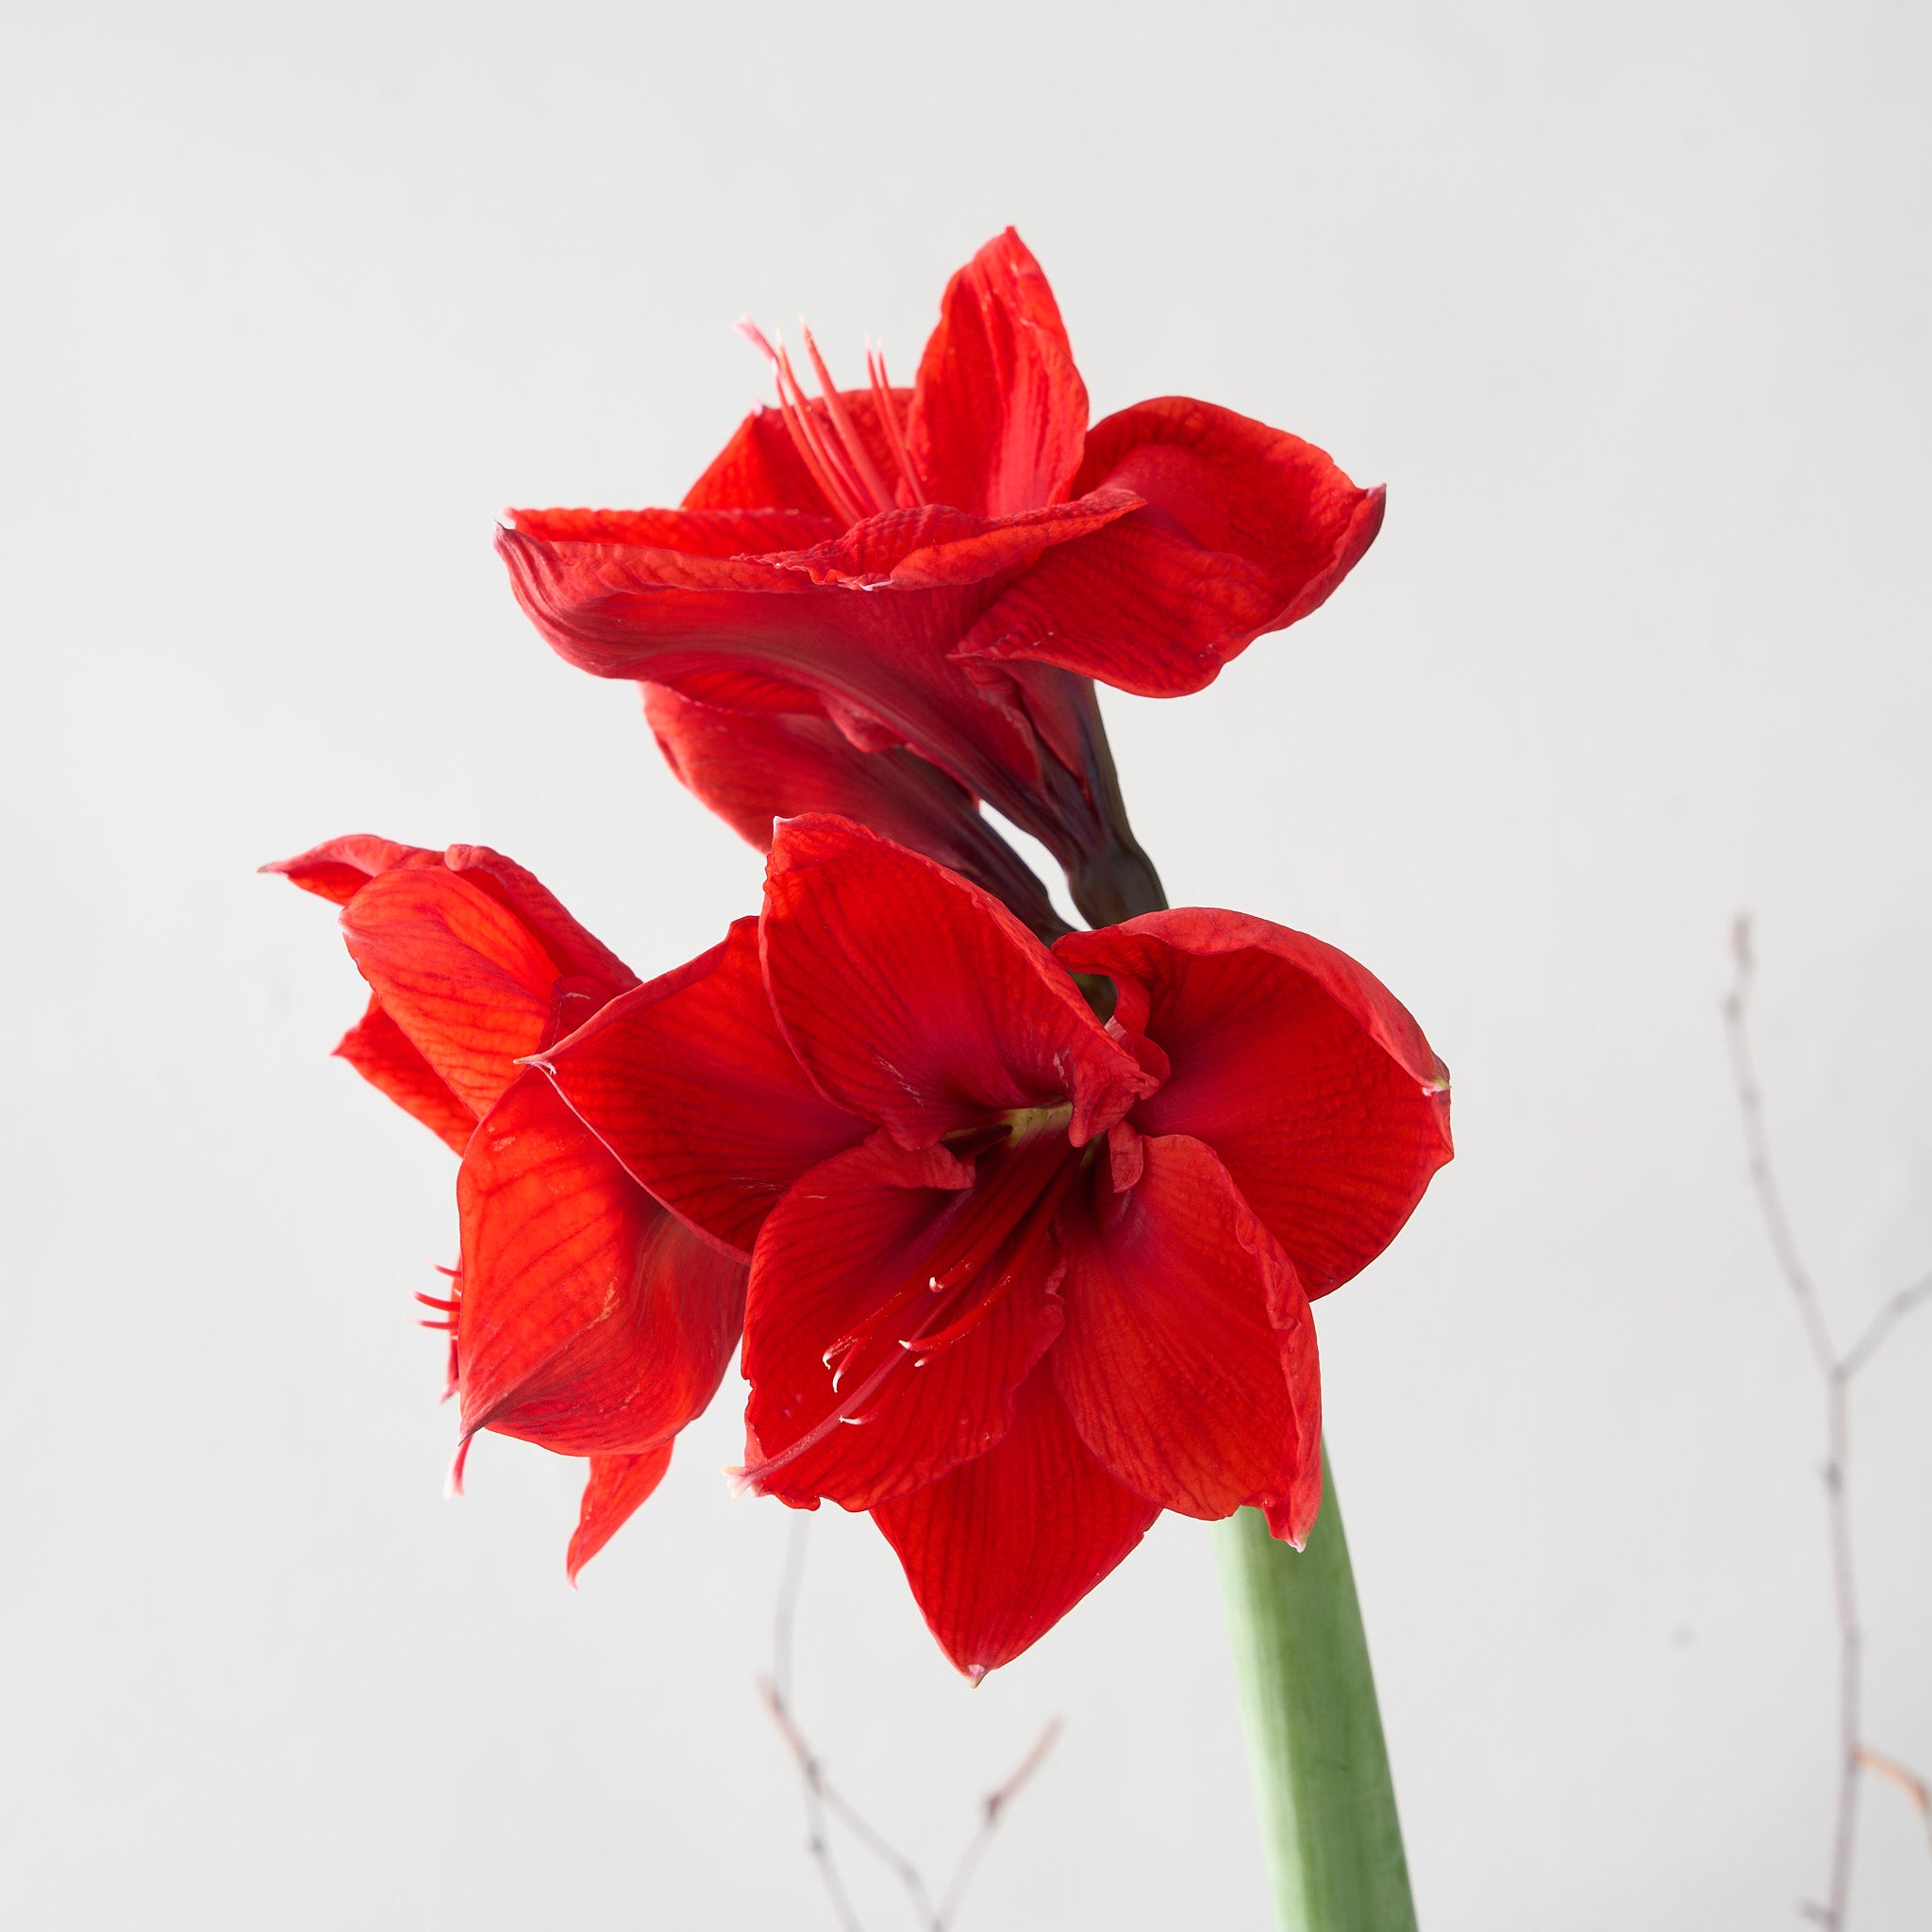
(752, 634)
(1246, 529)
(378, 1050)
(934, 545)
(1000, 1550)
(920, 1000)
(749, 634)
(688, 1083)
(338, 870)
(999, 411)
(838, 1246)
(572, 950)
(752, 768)
(1188, 1363)
(591, 1320)
(760, 467)
(1296, 1065)
(617, 1485)
(458, 972)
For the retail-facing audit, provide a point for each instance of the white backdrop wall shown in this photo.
(1628, 306)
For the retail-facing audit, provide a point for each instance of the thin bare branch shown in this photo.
(1908, 1780)
(1757, 1151)
(822, 1797)
(993, 1808)
(776, 1690)
(1836, 1371)
(1883, 1322)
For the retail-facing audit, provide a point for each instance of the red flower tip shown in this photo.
(617, 1485)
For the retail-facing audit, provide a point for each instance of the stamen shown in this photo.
(889, 415)
(797, 415)
(844, 485)
(834, 453)
(1012, 1211)
(856, 450)
(1031, 1235)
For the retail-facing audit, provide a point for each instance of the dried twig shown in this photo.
(1836, 1370)
(822, 1798)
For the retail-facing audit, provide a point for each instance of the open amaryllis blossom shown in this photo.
(946, 568)
(582, 1316)
(1019, 1281)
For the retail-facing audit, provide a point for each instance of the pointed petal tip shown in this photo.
(974, 1675)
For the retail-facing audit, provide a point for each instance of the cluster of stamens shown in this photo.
(447, 1309)
(1026, 1168)
(828, 439)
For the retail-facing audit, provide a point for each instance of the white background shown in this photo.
(1629, 306)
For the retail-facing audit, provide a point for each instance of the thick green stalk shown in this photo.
(1315, 1751)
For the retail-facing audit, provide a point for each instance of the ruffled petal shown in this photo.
(849, 1236)
(1245, 530)
(377, 1047)
(688, 1083)
(721, 534)
(999, 411)
(750, 634)
(617, 1485)
(751, 768)
(459, 974)
(591, 1320)
(1295, 1064)
(918, 1000)
(1002, 1548)
(1183, 1365)
(934, 545)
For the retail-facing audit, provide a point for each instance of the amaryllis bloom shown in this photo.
(583, 1317)
(1019, 1281)
(947, 568)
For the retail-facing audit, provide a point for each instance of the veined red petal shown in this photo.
(750, 634)
(1000, 1550)
(918, 1000)
(460, 974)
(1183, 1320)
(339, 868)
(591, 1320)
(1296, 1065)
(833, 1253)
(1246, 529)
(573, 950)
(751, 768)
(617, 1485)
(689, 1082)
(999, 411)
(377, 1047)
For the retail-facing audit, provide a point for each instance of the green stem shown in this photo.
(1315, 1750)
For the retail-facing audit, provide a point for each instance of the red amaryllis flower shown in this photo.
(583, 1317)
(1019, 1280)
(946, 568)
